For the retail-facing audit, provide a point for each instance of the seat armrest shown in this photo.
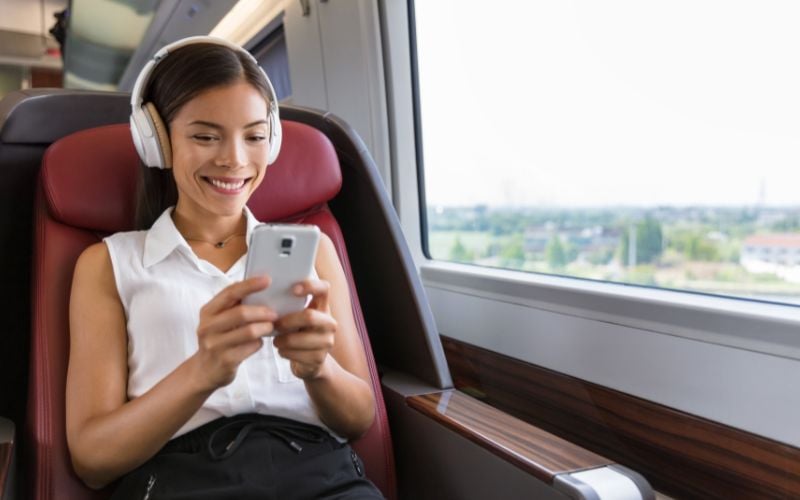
(574, 471)
(7, 459)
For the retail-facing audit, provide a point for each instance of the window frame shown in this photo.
(717, 305)
(757, 343)
(423, 208)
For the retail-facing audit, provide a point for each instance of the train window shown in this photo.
(651, 143)
(273, 57)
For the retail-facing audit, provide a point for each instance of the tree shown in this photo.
(459, 253)
(701, 249)
(513, 254)
(649, 242)
(555, 253)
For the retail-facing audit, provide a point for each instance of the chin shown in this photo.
(224, 209)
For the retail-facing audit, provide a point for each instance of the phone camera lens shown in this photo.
(286, 243)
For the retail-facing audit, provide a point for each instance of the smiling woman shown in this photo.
(218, 161)
(168, 86)
(175, 362)
(566, 289)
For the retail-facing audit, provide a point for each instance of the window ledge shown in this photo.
(745, 324)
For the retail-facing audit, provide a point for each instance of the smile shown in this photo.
(226, 185)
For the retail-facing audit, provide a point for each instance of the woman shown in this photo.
(192, 394)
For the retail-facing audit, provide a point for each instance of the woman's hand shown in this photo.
(306, 337)
(230, 331)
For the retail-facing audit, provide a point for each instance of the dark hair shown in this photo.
(176, 80)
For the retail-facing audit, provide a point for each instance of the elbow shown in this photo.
(358, 427)
(368, 420)
(95, 485)
(89, 476)
(91, 471)
(352, 426)
(367, 417)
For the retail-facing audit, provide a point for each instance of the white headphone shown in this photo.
(150, 134)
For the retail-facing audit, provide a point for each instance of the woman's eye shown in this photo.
(257, 138)
(203, 138)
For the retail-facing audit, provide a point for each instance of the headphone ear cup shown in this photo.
(276, 133)
(161, 134)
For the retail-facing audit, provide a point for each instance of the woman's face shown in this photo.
(220, 146)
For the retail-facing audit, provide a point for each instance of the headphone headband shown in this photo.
(145, 127)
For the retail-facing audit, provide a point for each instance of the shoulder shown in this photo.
(93, 282)
(326, 250)
(94, 261)
(328, 264)
(126, 246)
(94, 257)
(97, 263)
(126, 238)
(326, 243)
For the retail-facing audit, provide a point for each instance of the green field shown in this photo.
(725, 278)
(441, 242)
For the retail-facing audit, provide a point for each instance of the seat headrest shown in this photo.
(89, 178)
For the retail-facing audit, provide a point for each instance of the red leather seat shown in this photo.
(86, 191)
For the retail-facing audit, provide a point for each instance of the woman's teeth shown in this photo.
(228, 186)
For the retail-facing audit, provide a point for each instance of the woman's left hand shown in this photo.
(306, 337)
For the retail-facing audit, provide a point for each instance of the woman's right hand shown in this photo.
(230, 331)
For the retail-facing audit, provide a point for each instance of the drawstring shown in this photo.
(282, 431)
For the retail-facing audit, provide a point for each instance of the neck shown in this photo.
(209, 229)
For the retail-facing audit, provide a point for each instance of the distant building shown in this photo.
(582, 240)
(777, 254)
(535, 238)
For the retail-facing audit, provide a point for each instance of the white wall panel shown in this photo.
(752, 391)
(26, 15)
(336, 64)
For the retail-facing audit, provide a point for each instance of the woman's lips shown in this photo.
(227, 185)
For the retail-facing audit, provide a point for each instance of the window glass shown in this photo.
(273, 57)
(653, 143)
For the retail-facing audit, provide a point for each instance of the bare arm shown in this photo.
(325, 349)
(109, 436)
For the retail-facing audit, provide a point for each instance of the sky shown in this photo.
(619, 102)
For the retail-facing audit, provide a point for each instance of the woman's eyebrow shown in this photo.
(218, 126)
(257, 122)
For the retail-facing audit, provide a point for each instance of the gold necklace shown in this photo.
(217, 244)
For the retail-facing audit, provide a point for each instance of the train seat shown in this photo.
(86, 191)
(27, 128)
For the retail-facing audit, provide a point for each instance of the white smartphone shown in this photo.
(285, 252)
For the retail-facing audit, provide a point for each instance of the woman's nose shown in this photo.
(232, 154)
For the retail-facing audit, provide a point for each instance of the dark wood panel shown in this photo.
(45, 77)
(538, 452)
(6, 449)
(680, 454)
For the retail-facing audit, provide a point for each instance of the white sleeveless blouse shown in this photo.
(163, 285)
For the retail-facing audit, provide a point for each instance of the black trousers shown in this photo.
(250, 457)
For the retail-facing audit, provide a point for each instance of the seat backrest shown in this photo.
(86, 191)
(27, 128)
